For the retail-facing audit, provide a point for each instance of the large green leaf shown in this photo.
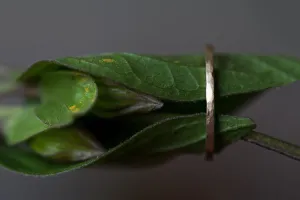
(177, 77)
(161, 135)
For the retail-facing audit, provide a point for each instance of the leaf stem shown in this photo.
(6, 111)
(273, 144)
(10, 90)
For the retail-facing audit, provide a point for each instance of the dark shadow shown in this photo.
(109, 132)
(223, 105)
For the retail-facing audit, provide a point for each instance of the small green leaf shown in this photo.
(64, 95)
(25, 122)
(54, 114)
(22, 125)
(77, 91)
(163, 134)
(182, 77)
(116, 100)
(65, 145)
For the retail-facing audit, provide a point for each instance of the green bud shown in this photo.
(65, 145)
(116, 100)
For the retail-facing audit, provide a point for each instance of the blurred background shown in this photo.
(34, 30)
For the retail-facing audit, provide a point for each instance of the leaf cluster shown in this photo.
(124, 108)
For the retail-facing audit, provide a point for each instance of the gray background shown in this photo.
(34, 30)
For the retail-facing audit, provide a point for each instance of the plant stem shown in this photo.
(279, 146)
(6, 111)
(8, 90)
(13, 89)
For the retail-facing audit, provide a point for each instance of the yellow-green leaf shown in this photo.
(77, 91)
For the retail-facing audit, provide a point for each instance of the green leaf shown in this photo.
(64, 95)
(116, 100)
(28, 121)
(54, 114)
(161, 135)
(77, 91)
(65, 145)
(170, 132)
(25, 162)
(191, 60)
(162, 77)
(33, 74)
(22, 125)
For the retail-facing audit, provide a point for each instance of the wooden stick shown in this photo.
(210, 109)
